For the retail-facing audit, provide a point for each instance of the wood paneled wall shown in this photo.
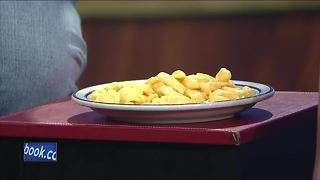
(282, 50)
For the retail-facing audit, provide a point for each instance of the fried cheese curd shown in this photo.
(175, 88)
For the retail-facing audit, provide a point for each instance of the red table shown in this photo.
(65, 121)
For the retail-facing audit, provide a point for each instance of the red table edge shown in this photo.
(121, 134)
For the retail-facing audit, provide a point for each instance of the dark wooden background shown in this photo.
(281, 49)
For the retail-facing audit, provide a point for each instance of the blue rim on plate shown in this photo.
(173, 113)
(263, 92)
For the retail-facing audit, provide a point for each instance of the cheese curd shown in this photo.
(175, 88)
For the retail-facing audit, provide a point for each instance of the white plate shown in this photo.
(170, 114)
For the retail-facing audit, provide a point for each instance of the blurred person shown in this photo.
(42, 52)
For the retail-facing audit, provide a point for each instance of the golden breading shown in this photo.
(205, 76)
(223, 75)
(175, 100)
(95, 94)
(169, 80)
(216, 98)
(128, 95)
(151, 97)
(226, 94)
(191, 82)
(110, 96)
(248, 91)
(196, 95)
(114, 86)
(156, 86)
(177, 88)
(204, 85)
(167, 91)
(147, 89)
(178, 74)
(152, 80)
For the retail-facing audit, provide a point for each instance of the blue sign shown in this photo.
(40, 152)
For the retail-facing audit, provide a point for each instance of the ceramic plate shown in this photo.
(177, 113)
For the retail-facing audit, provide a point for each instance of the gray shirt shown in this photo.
(42, 52)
